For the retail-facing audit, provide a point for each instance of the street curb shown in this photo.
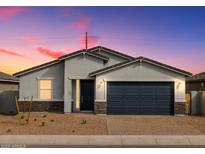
(104, 140)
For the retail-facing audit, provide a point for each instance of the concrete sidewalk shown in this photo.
(104, 140)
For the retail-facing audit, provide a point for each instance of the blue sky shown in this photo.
(34, 35)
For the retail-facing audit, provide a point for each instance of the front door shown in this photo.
(87, 95)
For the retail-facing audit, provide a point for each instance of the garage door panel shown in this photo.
(121, 104)
(127, 98)
(140, 98)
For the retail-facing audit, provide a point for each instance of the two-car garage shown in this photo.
(140, 87)
(146, 98)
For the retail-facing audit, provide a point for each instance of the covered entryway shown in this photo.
(87, 95)
(143, 98)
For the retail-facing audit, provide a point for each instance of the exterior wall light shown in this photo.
(178, 85)
(101, 83)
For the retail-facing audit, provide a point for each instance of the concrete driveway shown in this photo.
(155, 125)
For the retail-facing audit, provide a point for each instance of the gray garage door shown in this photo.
(145, 98)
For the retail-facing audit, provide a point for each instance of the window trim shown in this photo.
(39, 79)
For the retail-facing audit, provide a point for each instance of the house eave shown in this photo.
(141, 60)
(113, 52)
(57, 61)
(84, 52)
(34, 69)
(3, 80)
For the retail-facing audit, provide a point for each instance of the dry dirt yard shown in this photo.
(84, 124)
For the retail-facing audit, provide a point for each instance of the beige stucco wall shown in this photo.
(113, 59)
(5, 86)
(78, 67)
(29, 82)
(143, 72)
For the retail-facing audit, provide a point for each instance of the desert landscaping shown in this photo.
(90, 124)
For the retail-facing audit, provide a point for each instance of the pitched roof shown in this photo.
(83, 51)
(197, 77)
(91, 52)
(141, 59)
(36, 68)
(70, 55)
(7, 78)
(101, 48)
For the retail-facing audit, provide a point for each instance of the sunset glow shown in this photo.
(34, 35)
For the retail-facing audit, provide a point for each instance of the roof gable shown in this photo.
(110, 51)
(79, 52)
(91, 52)
(141, 59)
(67, 56)
(44, 65)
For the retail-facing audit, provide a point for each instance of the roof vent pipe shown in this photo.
(86, 41)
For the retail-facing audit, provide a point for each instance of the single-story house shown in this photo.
(196, 83)
(8, 82)
(105, 81)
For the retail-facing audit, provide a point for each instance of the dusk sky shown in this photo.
(31, 36)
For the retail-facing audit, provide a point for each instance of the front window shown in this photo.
(45, 89)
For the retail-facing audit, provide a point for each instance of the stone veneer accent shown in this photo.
(100, 108)
(42, 106)
(180, 107)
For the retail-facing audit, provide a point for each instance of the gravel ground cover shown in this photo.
(90, 124)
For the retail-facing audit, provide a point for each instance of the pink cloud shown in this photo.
(82, 24)
(4, 51)
(49, 53)
(92, 41)
(31, 38)
(83, 21)
(7, 13)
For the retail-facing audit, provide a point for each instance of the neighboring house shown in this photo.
(195, 88)
(196, 83)
(106, 82)
(9, 87)
(8, 82)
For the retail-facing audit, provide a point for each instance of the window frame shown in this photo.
(50, 79)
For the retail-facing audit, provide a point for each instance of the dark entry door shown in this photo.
(141, 98)
(87, 95)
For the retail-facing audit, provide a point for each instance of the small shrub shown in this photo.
(22, 117)
(52, 120)
(35, 119)
(83, 122)
(44, 116)
(73, 131)
(43, 124)
(8, 130)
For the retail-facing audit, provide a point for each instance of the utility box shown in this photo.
(8, 103)
(195, 102)
(203, 103)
